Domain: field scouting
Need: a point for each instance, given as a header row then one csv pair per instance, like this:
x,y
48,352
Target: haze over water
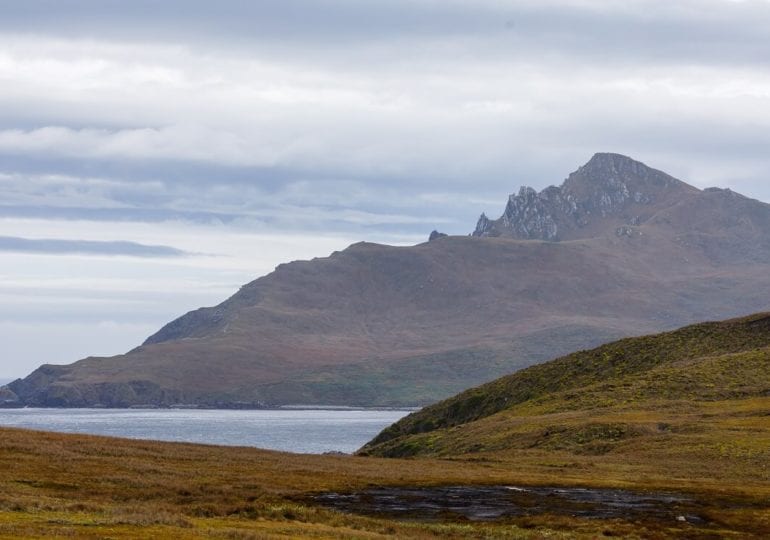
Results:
x,y
301,431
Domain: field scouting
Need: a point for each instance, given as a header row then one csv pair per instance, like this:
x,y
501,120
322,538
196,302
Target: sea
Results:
x,y
299,430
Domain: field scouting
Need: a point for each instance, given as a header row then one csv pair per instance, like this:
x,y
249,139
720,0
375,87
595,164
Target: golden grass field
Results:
x,y
686,411
95,487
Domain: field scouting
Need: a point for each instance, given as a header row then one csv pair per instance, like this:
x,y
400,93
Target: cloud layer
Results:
x,y
261,131
86,247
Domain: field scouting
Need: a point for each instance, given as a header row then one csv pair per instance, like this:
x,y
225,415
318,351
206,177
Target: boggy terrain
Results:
x,y
618,249
96,487
679,422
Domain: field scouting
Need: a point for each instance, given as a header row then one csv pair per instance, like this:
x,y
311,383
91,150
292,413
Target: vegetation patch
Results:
x,y
709,361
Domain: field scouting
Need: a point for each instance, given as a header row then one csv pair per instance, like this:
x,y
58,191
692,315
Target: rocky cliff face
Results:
x,y
609,188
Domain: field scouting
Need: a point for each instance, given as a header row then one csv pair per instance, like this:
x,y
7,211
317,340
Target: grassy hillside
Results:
x,y
652,377
687,412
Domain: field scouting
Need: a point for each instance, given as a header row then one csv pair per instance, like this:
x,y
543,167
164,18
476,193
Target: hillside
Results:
x,y
615,398
632,251
663,436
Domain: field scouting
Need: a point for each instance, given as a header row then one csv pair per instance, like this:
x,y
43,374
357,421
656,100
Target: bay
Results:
x,y
307,431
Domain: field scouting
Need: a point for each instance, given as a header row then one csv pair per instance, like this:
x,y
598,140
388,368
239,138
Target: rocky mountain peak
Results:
x,y
608,185
608,163
620,178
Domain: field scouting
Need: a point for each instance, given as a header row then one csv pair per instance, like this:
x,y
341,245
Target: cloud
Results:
x,y
395,99
86,247
268,131
175,142
654,30
418,121
27,344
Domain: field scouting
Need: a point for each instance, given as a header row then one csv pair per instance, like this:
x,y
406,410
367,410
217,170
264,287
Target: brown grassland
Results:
x,y
686,411
87,486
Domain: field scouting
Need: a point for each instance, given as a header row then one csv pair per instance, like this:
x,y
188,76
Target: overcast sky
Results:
x,y
154,156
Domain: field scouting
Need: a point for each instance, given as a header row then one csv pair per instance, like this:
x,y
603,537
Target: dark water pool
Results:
x,y
491,503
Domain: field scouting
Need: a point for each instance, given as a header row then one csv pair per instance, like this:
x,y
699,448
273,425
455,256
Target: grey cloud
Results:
x,y
374,120
459,67
277,198
285,219
86,247
145,215
703,30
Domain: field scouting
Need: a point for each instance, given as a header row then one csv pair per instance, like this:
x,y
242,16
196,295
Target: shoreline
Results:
x,y
194,407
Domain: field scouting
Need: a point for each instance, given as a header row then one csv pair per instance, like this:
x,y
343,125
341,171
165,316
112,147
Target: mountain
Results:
x,y
609,192
614,193
618,397
618,249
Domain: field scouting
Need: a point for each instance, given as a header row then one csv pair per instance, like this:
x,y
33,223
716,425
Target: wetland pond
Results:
x,y
493,503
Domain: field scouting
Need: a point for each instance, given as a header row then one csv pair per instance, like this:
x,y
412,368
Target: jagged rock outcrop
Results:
x,y
484,226
435,235
609,188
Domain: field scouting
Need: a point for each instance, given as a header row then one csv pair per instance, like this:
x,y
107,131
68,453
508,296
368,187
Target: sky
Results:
x,y
157,155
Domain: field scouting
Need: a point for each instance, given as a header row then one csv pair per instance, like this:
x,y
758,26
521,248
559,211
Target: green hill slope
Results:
x,y
598,398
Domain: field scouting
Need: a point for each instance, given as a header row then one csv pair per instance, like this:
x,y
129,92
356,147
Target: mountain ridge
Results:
x,y
608,185
388,325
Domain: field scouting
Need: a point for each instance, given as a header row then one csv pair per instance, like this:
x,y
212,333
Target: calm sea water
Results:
x,y
303,431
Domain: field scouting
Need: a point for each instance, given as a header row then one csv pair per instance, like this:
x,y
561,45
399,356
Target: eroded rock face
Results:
x,y
608,186
484,226
533,215
435,235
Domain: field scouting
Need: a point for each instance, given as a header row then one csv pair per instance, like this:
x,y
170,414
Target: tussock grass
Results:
x,y
688,409
67,485
685,411
672,371
88,486
708,361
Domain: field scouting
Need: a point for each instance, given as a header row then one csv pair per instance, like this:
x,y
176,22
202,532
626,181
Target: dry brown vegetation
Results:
x,y
88,486
686,411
